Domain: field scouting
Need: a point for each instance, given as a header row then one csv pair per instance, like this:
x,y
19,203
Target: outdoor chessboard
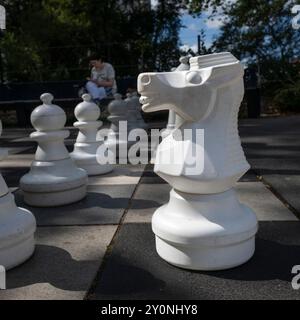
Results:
x,y
103,247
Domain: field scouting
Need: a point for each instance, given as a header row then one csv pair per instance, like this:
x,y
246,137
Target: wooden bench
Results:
x,y
24,97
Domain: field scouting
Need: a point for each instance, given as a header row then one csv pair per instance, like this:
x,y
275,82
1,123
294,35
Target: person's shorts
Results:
x,y
109,91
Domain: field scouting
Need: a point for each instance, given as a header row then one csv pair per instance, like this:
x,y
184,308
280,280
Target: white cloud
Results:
x,y
154,3
215,23
194,48
218,17
193,27
187,47
184,47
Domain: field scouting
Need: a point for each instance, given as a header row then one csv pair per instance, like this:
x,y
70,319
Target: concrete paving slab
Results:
x,y
135,271
17,150
288,186
265,204
104,204
158,194
63,266
17,161
122,174
267,166
273,150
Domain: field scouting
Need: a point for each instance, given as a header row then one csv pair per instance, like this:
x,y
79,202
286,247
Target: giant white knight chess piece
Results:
x,y
54,179
204,226
17,227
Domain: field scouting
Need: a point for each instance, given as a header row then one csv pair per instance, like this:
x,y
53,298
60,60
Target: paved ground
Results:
x,y
103,247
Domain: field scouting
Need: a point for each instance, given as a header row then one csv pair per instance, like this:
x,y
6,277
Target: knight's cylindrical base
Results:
x,y
205,232
17,227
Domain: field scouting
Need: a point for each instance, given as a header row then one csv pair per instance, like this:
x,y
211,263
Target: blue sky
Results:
x,y
193,26
188,35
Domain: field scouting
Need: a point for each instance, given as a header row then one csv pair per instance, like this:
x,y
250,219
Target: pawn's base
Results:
x,y
17,227
95,169
90,164
205,232
54,183
55,199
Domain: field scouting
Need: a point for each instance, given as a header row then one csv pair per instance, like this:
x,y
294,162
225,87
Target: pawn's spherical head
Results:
x,y
48,116
87,97
184,59
117,106
87,110
47,98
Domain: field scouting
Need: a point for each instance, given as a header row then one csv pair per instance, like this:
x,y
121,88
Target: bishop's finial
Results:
x,y
184,60
118,96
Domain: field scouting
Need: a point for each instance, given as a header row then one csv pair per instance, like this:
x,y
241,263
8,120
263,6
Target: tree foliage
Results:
x,y
260,32
53,39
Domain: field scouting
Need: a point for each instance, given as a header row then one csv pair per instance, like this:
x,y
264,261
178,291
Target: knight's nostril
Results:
x,y
145,79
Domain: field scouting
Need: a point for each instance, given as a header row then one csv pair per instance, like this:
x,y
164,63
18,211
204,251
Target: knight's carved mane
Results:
x,y
209,60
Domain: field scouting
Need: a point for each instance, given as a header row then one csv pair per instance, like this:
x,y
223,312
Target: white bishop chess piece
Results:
x,y
85,149
54,179
17,228
204,226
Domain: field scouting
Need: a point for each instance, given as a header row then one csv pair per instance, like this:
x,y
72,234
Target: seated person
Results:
x,y
102,82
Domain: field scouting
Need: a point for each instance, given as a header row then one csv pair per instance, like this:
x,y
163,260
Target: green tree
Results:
x,y
260,32
53,39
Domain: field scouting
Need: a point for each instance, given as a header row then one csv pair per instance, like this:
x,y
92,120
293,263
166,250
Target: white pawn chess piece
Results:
x,y
130,109
204,226
54,179
17,227
134,119
85,149
116,140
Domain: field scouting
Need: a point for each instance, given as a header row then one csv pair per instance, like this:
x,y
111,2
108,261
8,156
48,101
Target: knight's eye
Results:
x,y
194,77
145,79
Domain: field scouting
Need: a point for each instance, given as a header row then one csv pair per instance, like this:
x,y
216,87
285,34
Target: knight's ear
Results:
x,y
224,75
